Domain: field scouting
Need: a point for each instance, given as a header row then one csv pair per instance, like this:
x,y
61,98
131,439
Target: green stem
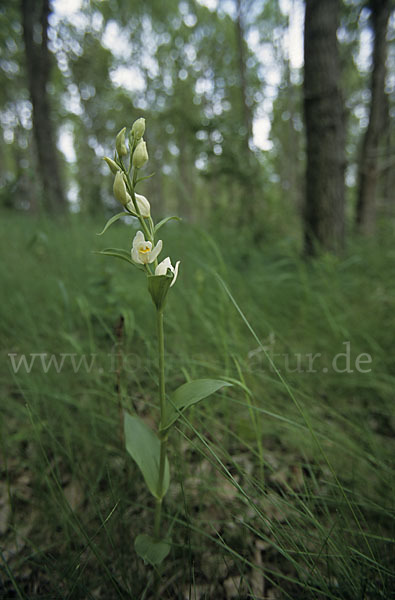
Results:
x,y
162,404
161,350
130,188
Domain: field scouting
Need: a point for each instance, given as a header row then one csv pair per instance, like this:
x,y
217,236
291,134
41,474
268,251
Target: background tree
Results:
x,y
35,15
287,127
324,120
17,186
206,76
369,164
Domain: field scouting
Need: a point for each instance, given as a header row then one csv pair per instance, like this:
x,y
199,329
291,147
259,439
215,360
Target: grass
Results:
x,y
282,486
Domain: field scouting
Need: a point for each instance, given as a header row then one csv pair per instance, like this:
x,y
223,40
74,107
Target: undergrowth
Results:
x,y
287,493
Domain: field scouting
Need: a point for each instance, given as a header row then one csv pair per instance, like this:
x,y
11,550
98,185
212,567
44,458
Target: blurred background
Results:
x,y
220,83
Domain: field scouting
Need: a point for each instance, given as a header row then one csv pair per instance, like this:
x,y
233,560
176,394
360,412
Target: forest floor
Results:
x,y
281,486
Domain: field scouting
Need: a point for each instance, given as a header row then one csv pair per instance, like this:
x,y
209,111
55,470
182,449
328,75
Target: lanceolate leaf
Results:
x,y
118,253
151,550
188,394
143,446
163,221
112,220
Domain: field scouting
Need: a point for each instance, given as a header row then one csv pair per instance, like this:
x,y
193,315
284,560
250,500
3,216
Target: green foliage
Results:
x,y
117,253
163,222
181,68
194,96
188,394
150,550
280,518
143,446
113,220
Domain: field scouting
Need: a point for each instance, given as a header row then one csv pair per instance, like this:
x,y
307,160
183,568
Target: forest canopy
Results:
x,y
222,83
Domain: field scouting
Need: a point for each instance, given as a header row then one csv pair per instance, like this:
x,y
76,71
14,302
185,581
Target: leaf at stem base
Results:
x,y
150,550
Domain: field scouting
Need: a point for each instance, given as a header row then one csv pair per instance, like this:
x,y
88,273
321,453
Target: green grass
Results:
x,y
282,486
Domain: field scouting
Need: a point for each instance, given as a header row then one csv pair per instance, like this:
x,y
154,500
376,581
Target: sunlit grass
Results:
x,y
286,490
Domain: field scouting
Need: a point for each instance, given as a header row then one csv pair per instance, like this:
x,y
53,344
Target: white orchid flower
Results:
x,y
142,203
162,268
142,251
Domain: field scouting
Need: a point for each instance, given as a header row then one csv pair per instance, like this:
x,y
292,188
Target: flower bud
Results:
x,y
112,164
120,144
138,128
119,189
143,206
140,155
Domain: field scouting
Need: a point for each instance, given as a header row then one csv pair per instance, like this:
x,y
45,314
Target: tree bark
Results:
x,y
38,65
368,167
324,120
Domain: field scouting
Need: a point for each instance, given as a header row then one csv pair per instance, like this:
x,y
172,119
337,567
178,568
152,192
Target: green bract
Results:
x,y
158,286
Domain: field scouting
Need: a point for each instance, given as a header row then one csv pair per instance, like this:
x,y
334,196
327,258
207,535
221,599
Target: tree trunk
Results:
x,y
38,64
246,110
368,166
248,180
324,119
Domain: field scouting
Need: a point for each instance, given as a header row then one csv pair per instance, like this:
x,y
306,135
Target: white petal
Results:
x,y
175,271
161,269
136,256
138,239
154,253
145,258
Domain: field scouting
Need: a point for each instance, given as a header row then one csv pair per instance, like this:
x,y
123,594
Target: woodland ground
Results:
x,y
281,486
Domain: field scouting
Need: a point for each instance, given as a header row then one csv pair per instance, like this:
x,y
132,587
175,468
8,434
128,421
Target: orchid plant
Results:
x,y
147,447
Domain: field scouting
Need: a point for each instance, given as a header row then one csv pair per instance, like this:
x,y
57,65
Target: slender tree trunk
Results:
x,y
324,119
293,142
38,64
388,166
368,166
252,195
246,110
